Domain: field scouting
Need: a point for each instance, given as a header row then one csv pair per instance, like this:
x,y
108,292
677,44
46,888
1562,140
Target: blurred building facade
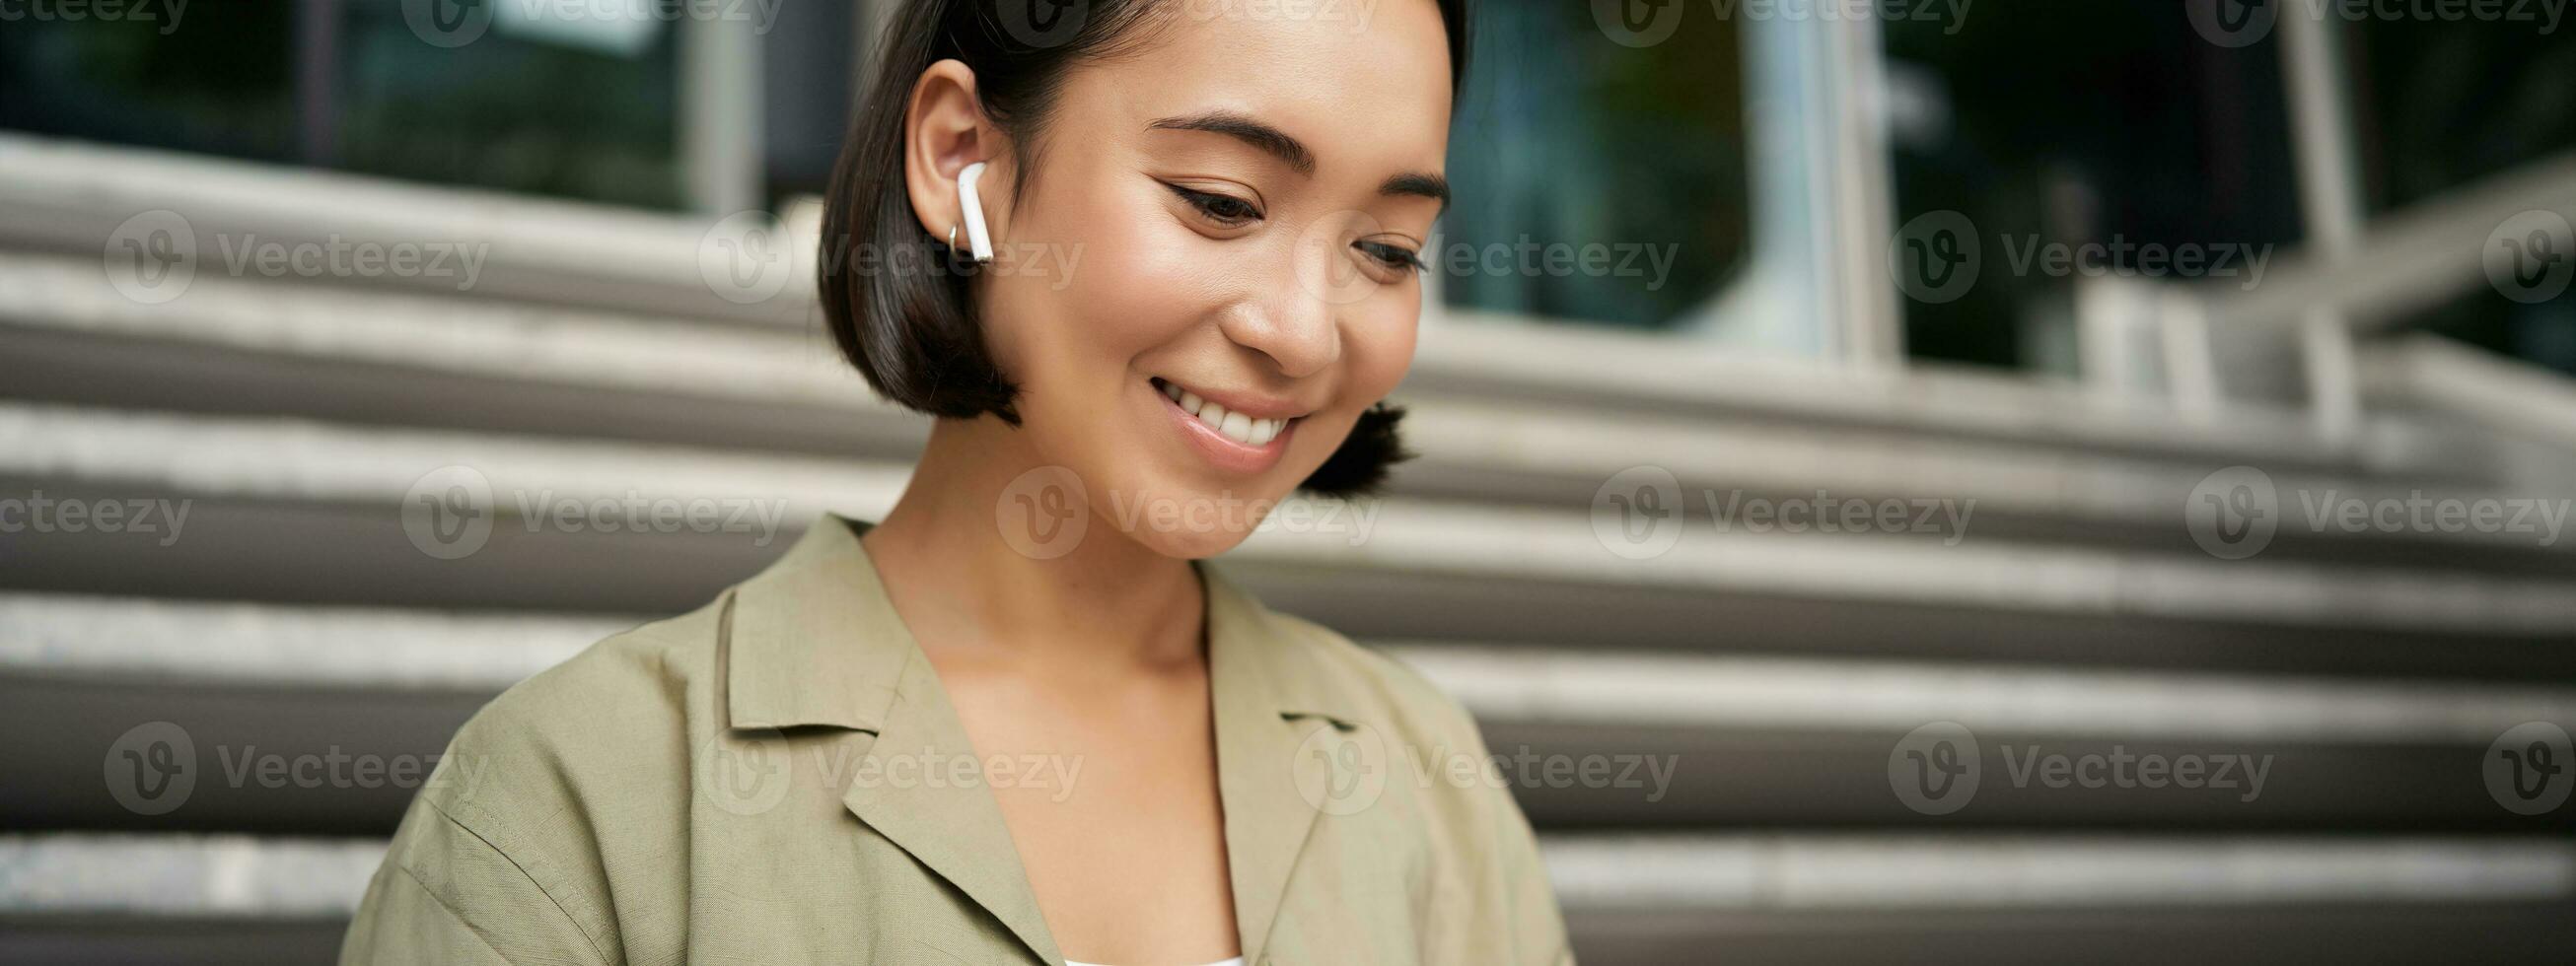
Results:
x,y
1935,440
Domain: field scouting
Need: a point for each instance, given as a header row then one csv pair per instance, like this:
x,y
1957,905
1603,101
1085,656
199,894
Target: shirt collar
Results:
x,y
814,640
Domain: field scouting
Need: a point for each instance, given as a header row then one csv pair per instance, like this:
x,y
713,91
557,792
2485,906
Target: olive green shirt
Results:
x,y
779,778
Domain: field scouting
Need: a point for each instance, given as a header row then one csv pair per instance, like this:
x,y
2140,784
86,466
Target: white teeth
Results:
x,y
1234,426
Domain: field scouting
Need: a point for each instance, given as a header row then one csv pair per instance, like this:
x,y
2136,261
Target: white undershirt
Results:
x,y
1236,961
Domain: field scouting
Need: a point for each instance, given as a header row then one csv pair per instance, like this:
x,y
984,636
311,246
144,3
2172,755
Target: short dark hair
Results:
x,y
912,331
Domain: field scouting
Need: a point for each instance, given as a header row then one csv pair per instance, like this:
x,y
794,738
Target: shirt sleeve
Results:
x,y
445,895
1530,909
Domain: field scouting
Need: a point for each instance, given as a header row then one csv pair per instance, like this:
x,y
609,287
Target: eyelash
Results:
x,y
1233,211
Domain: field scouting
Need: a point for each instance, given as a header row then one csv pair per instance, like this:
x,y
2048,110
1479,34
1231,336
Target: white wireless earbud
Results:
x,y
979,239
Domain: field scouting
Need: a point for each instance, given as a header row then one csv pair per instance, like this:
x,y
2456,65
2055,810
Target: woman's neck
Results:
x,y
958,581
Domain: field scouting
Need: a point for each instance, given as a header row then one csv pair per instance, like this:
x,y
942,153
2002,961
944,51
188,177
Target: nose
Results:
x,y
1293,324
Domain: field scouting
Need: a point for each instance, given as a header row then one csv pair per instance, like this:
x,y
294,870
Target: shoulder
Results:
x,y
617,712
566,776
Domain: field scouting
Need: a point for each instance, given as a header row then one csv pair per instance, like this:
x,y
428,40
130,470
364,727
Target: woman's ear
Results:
x,y
944,130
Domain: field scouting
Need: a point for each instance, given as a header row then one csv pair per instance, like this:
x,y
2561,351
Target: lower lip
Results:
x,y
1225,453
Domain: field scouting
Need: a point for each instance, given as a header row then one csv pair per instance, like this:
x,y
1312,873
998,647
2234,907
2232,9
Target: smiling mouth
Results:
x,y
1234,426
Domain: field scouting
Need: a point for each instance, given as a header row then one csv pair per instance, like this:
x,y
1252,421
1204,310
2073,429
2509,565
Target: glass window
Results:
x,y
1597,182
584,113
224,83
2053,125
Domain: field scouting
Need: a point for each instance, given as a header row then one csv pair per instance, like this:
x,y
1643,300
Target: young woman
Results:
x,y
1172,273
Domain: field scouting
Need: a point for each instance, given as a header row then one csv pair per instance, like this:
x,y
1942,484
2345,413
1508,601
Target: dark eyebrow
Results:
x,y
1293,152
1247,130
1421,183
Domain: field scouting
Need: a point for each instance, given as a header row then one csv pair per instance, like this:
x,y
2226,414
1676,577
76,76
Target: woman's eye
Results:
x,y
1394,257
1227,209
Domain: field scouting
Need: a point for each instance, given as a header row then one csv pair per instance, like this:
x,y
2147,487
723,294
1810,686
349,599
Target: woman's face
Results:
x,y
1234,212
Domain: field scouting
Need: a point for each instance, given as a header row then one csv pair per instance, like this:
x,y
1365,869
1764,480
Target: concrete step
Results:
x,y
1585,737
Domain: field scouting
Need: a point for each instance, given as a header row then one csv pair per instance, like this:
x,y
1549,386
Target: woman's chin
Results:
x,y
1193,526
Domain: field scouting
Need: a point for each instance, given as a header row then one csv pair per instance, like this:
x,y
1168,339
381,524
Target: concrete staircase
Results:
x,y
1775,678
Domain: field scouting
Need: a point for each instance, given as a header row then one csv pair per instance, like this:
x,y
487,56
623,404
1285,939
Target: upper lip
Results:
x,y
1251,405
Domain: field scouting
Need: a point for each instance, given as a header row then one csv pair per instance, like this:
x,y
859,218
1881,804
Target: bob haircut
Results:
x,y
908,322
